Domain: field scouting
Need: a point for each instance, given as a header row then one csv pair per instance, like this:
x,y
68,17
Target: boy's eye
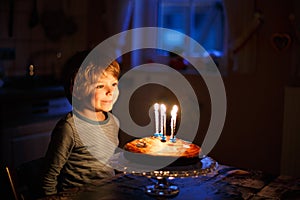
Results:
x,y
115,84
99,86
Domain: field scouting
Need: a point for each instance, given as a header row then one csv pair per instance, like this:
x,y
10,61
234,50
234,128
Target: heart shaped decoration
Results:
x,y
281,41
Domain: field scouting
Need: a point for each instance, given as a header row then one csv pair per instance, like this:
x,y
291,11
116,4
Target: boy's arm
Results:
x,y
59,149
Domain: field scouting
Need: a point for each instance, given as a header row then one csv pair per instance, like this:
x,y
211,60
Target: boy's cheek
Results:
x,y
115,95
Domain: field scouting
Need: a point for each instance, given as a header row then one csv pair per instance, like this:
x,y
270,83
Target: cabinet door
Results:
x,y
290,162
24,143
29,147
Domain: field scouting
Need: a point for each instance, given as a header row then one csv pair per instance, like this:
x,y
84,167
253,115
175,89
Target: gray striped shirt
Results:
x,y
79,151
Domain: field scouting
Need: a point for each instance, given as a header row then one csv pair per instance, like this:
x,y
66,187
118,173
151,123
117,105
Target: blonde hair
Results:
x,y
90,74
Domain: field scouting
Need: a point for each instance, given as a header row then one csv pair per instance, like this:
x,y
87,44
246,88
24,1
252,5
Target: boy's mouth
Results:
x,y
107,101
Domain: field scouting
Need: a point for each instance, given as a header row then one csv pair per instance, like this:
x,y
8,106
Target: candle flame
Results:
x,y
175,108
156,106
174,111
163,107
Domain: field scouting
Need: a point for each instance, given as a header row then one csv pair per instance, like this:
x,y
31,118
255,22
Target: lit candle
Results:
x,y
172,128
163,121
156,114
173,121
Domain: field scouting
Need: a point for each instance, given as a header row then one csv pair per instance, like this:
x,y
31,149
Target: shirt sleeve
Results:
x,y
59,149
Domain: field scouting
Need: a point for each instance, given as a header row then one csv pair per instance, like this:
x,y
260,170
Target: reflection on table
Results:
x,y
224,183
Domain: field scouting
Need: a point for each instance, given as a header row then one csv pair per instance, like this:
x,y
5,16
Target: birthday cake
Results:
x,y
152,150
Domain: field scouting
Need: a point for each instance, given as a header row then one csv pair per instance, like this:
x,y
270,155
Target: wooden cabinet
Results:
x,y
290,163
27,120
25,142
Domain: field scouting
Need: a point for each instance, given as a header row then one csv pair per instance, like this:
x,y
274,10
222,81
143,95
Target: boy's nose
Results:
x,y
110,90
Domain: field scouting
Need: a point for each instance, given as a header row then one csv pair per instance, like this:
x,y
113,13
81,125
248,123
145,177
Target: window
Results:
x,y
202,20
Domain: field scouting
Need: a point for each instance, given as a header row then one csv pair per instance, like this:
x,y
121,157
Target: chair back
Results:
x,y
29,176
8,184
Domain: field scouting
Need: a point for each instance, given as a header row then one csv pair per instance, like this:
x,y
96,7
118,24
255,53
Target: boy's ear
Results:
x,y
77,97
75,94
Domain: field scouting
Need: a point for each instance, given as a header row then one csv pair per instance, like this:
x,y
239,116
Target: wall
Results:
x,y
46,39
252,135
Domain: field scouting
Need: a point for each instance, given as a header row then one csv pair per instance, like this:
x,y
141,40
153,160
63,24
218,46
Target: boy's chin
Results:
x,y
104,109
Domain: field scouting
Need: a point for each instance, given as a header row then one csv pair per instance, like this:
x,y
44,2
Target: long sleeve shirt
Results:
x,y
79,152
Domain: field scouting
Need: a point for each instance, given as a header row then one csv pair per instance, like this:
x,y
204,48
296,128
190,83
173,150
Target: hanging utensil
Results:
x,y
11,18
34,17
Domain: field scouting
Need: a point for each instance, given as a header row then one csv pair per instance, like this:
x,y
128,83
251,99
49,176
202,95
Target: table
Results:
x,y
225,182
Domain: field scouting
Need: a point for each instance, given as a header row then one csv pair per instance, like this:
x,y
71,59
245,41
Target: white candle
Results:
x,y
163,119
172,127
173,120
156,114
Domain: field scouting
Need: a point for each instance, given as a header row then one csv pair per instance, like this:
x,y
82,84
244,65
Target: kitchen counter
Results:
x,y
25,106
8,94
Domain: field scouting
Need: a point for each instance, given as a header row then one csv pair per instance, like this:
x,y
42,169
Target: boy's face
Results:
x,y
102,94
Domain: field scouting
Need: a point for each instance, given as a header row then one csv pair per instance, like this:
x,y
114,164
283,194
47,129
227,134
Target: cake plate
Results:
x,y
163,187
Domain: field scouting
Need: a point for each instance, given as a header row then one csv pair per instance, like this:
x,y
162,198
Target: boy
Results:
x,y
85,139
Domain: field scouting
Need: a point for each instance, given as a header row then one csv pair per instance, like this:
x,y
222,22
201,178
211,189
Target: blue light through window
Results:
x,y
203,20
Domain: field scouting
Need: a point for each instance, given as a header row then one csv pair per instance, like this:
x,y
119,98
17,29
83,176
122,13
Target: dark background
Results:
x,y
261,76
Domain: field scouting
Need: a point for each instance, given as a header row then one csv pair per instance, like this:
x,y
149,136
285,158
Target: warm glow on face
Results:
x,y
103,92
